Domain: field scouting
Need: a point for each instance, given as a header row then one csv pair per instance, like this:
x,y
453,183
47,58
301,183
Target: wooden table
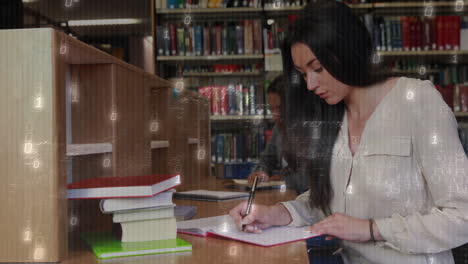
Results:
x,y
211,250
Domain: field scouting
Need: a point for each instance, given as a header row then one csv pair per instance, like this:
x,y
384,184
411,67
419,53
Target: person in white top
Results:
x,y
388,174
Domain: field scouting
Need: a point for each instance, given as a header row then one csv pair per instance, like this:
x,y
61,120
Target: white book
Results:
x,y
206,195
149,230
143,214
224,226
122,204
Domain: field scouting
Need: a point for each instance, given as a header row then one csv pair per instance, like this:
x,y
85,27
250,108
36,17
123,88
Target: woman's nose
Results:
x,y
311,79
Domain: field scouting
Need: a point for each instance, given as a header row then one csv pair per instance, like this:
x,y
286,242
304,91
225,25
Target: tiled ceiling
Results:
x,y
65,10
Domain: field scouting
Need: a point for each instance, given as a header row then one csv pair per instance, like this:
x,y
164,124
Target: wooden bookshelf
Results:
x,y
72,112
461,114
157,144
210,58
88,149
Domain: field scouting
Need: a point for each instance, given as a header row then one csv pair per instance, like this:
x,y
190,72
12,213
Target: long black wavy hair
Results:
x,y
344,48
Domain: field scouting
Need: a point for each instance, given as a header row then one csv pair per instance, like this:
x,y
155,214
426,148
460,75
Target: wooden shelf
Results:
x,y
415,4
157,144
210,58
221,74
461,114
240,118
88,149
423,53
208,10
193,141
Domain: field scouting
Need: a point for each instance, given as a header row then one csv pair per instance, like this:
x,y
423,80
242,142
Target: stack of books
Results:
x,y
142,209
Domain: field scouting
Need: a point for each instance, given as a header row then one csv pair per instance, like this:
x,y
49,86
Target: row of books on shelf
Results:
x,y
143,214
234,99
414,33
233,38
223,68
455,95
237,147
178,4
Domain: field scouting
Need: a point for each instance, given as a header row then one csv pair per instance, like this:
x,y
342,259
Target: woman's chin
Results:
x,y
331,101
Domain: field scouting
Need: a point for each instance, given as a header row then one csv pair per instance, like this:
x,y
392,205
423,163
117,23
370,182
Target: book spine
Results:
x,y
405,28
252,99
382,36
180,41
225,40
216,100
239,39
189,41
173,37
426,34
181,3
160,40
171,4
257,37
206,41
224,100
232,99
167,41
239,103
198,40
246,101
464,98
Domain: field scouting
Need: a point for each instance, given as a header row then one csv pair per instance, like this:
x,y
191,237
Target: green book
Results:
x,y
105,245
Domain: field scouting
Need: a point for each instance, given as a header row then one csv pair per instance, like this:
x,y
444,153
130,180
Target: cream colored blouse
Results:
x,y
409,173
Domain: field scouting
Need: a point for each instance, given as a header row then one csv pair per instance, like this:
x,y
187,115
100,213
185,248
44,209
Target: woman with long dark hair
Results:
x,y
388,174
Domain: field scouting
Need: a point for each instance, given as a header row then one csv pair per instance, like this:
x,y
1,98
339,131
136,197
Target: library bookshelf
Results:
x,y
70,112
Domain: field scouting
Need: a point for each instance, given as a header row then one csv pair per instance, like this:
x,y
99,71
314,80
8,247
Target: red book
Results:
x,y
412,35
218,40
224,100
405,33
464,98
122,187
173,36
257,36
440,33
426,44
433,25
419,34
455,32
447,92
208,93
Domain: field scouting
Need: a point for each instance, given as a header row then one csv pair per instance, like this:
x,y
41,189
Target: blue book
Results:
x,y
198,40
105,245
220,148
171,4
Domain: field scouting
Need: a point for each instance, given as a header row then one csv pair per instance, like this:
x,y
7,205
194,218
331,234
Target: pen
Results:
x,y
251,197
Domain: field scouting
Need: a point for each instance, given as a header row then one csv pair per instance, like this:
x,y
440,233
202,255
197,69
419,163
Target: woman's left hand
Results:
x,y
344,227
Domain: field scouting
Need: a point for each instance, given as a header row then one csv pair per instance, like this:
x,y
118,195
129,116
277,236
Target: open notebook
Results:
x,y
224,226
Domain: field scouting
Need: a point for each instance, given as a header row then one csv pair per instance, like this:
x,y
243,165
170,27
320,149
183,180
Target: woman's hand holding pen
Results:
x,y
260,216
346,228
